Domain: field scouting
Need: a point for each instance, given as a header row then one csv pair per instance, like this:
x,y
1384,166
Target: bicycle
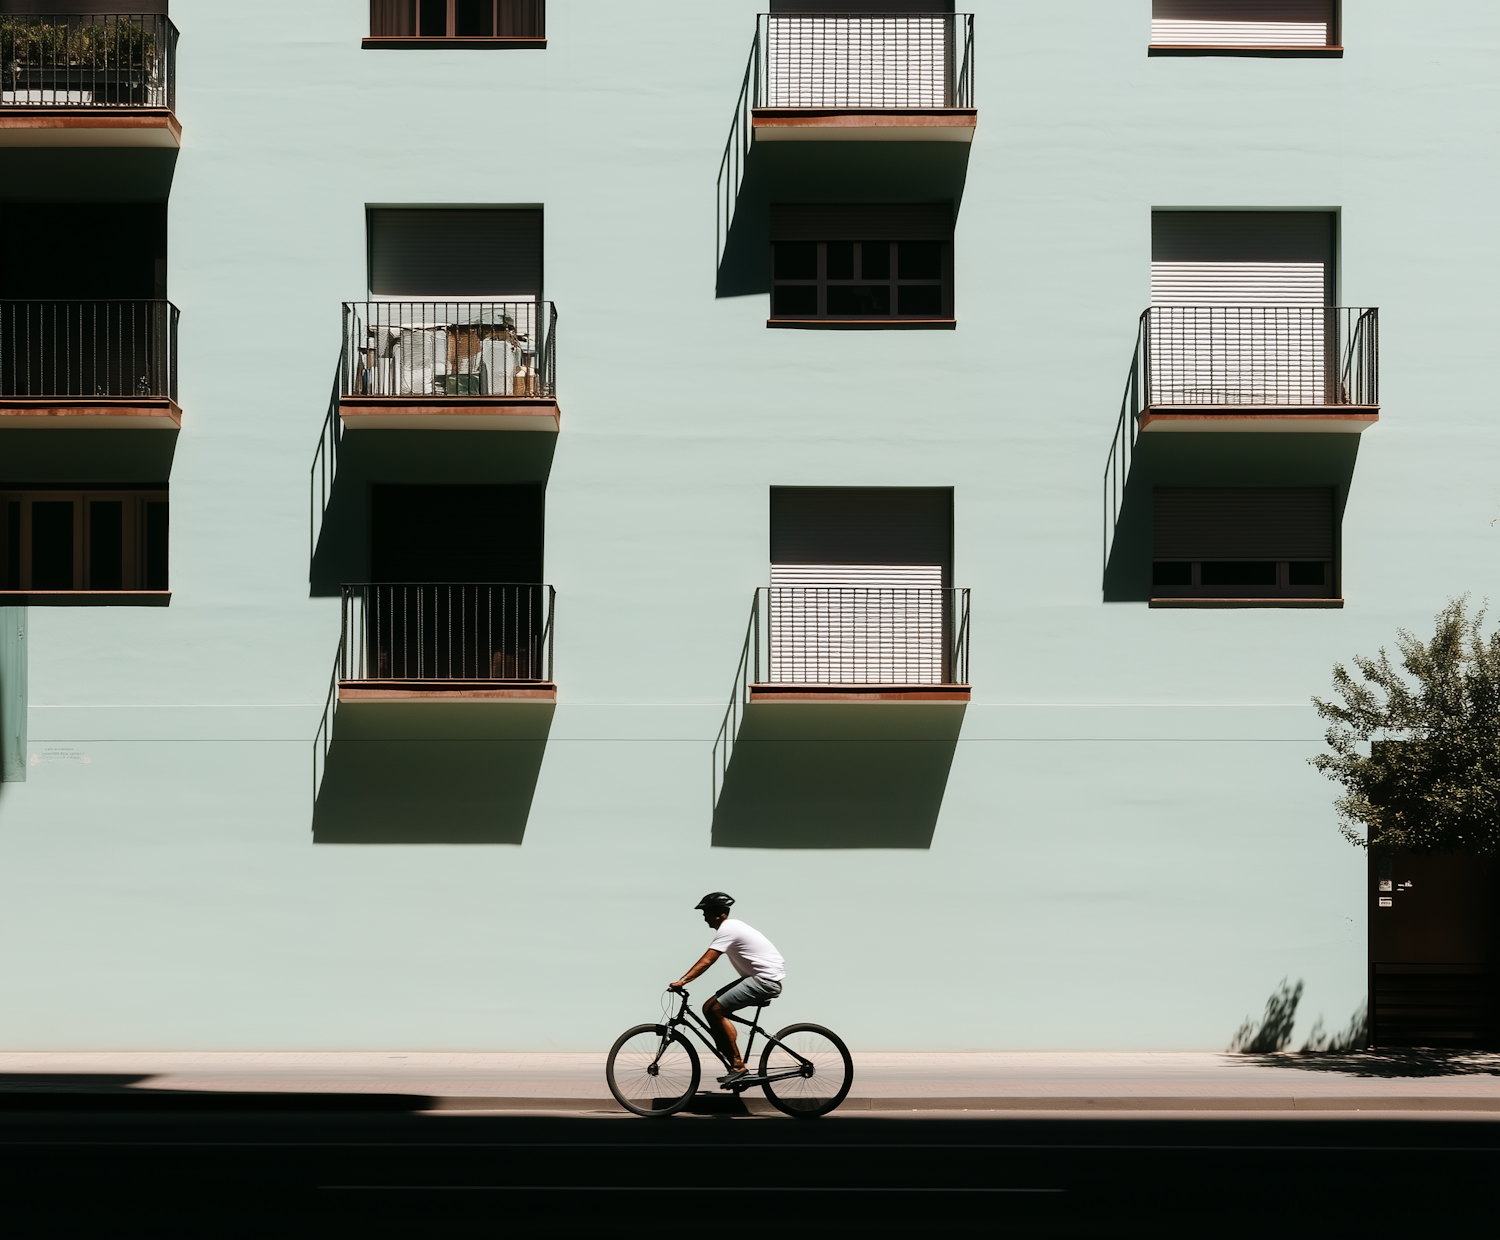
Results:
x,y
653,1070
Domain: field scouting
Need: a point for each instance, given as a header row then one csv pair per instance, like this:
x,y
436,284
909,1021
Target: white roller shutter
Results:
x,y
1241,23
857,624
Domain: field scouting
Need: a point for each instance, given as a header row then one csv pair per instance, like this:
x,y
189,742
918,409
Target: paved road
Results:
x,y
369,1165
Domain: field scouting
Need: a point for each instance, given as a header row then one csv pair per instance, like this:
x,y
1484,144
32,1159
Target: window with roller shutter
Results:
x,y
1250,543
1308,27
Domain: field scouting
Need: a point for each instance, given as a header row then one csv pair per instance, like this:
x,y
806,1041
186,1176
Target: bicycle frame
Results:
x,y
688,1019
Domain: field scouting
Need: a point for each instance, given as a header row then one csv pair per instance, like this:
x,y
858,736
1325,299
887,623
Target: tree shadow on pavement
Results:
x,y
1390,1064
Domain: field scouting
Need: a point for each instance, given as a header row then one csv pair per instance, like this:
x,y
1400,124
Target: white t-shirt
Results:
x,y
749,951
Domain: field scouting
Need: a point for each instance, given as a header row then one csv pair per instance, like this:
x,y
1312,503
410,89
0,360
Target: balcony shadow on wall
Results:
x,y
341,549
431,773
842,172
837,776
1216,459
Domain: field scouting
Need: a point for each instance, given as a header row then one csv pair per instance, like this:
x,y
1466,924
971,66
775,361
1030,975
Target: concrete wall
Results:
x,y
1131,850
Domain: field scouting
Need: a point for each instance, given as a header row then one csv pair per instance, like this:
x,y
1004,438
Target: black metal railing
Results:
x,y
103,60
468,19
449,348
864,60
457,631
88,349
1299,356
861,635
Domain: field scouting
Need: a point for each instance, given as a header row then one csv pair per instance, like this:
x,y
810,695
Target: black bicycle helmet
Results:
x,y
715,899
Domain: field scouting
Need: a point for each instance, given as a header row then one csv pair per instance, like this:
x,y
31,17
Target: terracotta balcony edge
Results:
x,y
117,412
864,124
515,413
22,126
1282,419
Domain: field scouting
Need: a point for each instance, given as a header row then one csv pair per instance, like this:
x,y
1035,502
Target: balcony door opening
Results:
x,y
455,590
83,309
454,303
1242,309
861,586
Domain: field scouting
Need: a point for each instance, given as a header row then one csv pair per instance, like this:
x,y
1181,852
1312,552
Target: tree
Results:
x,y
1431,780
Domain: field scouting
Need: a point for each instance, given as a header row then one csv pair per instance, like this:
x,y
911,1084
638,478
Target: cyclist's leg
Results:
x,y
722,1028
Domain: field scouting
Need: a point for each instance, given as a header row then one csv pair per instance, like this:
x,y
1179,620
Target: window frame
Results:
x,y
451,39
16,572
1283,589
822,282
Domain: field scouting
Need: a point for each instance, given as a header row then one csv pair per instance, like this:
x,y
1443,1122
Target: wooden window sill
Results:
x,y
1201,601
864,325
500,43
1185,49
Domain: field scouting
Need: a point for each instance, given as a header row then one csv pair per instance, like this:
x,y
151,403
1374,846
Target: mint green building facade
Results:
x,y
1116,842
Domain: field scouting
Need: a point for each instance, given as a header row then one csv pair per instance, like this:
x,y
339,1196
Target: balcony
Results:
x,y
853,644
1258,368
846,77
89,364
428,641
88,80
449,365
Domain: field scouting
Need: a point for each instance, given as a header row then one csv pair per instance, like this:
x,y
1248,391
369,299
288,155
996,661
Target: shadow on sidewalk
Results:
x,y
1391,1064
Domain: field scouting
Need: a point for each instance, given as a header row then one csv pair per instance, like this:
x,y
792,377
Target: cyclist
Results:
x,y
759,965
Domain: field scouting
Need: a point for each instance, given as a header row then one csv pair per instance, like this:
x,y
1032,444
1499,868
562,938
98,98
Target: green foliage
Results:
x,y
29,43
1431,779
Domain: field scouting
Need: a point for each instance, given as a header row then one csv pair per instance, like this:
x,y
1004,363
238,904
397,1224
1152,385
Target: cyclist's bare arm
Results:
x,y
708,958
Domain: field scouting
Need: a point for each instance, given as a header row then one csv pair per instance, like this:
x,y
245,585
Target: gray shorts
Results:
x,y
746,992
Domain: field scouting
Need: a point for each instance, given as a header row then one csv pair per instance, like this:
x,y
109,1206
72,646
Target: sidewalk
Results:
x,y
1437,1082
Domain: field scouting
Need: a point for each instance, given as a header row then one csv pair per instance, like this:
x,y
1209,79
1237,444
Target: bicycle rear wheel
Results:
x,y
652,1070
825,1071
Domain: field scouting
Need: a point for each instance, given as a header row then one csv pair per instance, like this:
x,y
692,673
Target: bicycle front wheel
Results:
x,y
815,1068
652,1070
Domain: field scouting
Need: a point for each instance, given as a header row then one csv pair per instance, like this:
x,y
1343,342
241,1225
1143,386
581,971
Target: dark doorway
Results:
x,y
455,583
1433,980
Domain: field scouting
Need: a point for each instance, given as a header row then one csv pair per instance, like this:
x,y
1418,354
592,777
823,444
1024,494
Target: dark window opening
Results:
x,y
52,545
13,545
474,19
432,18
860,279
1237,573
106,545
156,546
456,533
1309,573
1171,574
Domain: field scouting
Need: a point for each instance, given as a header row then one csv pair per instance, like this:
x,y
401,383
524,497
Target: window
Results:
x,y
85,540
1260,543
498,20
861,265
1245,26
